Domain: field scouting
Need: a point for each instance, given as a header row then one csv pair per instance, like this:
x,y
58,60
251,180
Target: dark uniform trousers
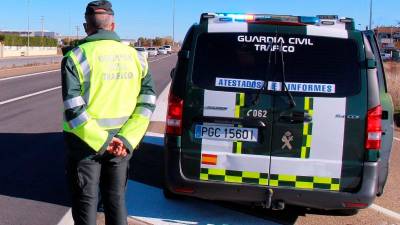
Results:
x,y
86,172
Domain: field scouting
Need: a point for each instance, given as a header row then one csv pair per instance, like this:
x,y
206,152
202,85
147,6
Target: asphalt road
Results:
x,y
32,184
32,181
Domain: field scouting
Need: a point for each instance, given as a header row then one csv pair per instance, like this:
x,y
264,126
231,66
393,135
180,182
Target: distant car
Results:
x,y
162,51
386,56
168,48
143,51
152,51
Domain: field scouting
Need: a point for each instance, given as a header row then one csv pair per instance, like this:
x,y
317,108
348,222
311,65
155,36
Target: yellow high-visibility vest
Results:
x,y
110,75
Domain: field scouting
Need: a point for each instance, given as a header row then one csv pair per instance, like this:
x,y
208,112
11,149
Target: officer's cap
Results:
x,y
99,7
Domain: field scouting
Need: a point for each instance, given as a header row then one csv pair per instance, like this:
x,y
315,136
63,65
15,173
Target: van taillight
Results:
x,y
374,128
355,205
174,115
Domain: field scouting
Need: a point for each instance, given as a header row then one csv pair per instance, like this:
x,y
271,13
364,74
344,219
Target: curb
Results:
x,y
66,219
160,112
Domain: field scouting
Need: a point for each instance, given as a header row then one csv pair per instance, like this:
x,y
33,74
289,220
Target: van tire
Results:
x,y
170,195
397,119
346,212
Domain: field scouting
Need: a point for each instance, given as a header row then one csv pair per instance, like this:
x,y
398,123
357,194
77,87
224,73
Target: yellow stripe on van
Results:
x,y
273,180
307,129
240,101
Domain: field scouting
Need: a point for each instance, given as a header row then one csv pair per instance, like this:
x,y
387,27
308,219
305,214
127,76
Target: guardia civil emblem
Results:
x,y
286,139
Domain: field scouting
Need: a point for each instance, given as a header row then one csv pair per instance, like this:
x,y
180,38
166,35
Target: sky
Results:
x,y
151,18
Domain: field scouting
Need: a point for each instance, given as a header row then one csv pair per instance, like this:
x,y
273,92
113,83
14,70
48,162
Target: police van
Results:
x,y
277,110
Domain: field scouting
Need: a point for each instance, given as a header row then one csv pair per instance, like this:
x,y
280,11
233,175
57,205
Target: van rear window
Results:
x,y
242,62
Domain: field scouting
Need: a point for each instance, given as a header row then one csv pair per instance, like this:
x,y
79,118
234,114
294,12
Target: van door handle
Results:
x,y
295,117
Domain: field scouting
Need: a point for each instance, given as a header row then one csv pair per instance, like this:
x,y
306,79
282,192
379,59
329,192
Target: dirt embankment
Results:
x,y
392,70
4,73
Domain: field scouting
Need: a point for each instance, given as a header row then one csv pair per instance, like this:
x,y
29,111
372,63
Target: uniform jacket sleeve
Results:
x,y
135,128
76,118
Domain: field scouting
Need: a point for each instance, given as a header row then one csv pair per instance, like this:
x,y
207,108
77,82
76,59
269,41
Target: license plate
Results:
x,y
226,133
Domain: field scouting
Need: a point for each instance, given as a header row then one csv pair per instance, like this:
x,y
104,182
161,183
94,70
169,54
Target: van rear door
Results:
x,y
319,143
227,130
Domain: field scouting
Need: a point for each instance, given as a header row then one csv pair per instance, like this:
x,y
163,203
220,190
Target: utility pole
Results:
x,y
42,22
69,28
370,15
173,23
27,50
77,32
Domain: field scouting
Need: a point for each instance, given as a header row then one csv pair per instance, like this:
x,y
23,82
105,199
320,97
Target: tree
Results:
x,y
168,41
158,41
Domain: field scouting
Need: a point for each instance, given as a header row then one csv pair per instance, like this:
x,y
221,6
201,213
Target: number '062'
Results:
x,y
257,113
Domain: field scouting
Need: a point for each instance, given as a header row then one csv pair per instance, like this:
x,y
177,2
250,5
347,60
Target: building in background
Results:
x,y
389,40
24,33
130,42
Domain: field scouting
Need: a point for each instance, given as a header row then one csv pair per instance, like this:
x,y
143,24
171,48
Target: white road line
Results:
x,y
29,95
153,134
28,75
50,71
385,211
47,90
161,58
67,219
397,139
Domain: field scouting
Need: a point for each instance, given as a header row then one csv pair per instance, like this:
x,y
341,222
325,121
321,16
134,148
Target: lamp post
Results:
x,y
77,32
42,23
173,22
27,51
370,15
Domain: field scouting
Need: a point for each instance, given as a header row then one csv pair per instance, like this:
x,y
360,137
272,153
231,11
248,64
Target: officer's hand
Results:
x,y
120,151
113,145
117,148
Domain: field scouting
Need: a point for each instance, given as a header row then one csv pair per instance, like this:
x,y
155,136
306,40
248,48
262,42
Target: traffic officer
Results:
x,y
108,101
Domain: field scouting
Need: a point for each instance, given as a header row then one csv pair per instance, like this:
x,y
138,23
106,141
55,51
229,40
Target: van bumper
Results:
x,y
319,199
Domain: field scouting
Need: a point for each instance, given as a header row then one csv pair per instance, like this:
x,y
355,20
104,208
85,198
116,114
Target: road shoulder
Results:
x,y
5,73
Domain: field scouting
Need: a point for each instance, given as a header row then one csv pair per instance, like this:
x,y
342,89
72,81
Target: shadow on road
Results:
x,y
32,167
146,167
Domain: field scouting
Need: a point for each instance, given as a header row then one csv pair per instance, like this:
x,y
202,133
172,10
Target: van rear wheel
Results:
x,y
346,212
170,195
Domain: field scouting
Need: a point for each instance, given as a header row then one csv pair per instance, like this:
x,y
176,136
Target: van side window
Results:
x,y
381,71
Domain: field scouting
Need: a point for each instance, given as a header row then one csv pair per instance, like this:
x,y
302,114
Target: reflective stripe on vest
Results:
x,y
148,99
83,63
143,112
143,63
74,102
115,122
81,119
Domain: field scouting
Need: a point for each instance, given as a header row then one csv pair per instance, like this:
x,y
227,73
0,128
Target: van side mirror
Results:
x,y
172,74
371,64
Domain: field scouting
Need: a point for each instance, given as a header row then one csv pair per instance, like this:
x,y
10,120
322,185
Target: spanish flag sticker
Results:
x,y
209,159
